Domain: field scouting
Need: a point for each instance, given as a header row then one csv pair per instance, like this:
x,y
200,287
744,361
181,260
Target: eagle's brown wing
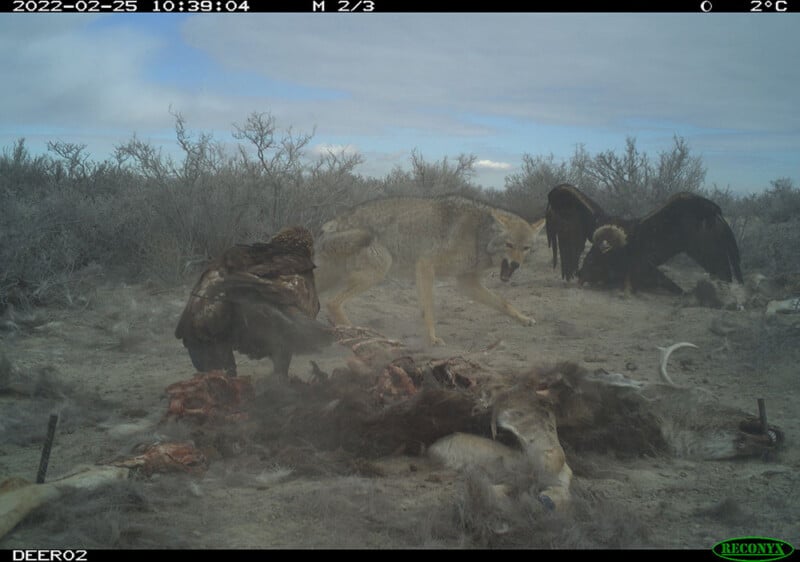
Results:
x,y
295,293
571,220
259,299
207,315
205,326
692,224
265,260
286,264
276,299
289,252
274,314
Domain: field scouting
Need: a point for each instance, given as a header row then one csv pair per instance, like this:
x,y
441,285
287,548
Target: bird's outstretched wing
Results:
x,y
571,219
692,224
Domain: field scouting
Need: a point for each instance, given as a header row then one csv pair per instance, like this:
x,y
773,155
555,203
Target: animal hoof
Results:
x,y
548,503
436,340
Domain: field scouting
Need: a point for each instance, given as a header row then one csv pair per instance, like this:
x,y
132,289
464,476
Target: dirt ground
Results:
x,y
104,364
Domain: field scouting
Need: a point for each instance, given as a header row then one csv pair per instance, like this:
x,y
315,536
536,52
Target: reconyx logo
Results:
x,y
747,549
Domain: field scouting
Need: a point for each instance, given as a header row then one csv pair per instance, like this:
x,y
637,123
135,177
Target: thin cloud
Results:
x,y
325,148
491,165
498,84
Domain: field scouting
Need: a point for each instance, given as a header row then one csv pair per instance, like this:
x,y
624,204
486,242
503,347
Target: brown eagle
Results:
x,y
257,299
627,252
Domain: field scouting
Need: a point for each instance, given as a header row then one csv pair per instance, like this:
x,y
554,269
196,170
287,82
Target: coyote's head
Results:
x,y
512,240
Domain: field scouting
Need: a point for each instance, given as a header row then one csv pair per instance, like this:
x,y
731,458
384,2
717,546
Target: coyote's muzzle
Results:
x,y
507,268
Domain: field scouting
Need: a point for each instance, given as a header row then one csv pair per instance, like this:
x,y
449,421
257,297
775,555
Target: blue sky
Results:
x,y
494,85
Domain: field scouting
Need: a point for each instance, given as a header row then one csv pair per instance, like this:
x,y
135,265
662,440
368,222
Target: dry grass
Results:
x,y
28,398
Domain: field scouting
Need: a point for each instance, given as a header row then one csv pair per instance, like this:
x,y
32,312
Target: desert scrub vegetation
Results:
x,y
767,226
68,220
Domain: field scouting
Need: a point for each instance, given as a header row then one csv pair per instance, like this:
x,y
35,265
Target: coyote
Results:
x,y
447,236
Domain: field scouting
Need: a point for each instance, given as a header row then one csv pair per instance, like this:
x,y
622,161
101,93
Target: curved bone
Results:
x,y
665,353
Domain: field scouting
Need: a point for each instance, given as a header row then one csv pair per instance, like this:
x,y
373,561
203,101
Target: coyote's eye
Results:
x,y
526,248
509,245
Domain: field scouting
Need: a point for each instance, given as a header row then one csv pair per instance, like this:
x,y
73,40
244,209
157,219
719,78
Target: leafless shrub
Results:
x,y
329,185
67,220
627,184
427,179
526,191
767,225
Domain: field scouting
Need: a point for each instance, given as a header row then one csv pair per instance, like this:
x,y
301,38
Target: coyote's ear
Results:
x,y
501,218
537,226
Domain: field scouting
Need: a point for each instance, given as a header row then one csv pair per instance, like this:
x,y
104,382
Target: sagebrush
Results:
x,y
68,220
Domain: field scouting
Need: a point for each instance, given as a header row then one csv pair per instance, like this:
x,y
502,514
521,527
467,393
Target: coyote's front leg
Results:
x,y
425,274
470,285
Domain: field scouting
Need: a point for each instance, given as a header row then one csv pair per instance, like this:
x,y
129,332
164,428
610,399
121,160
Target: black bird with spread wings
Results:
x,y
627,252
260,300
